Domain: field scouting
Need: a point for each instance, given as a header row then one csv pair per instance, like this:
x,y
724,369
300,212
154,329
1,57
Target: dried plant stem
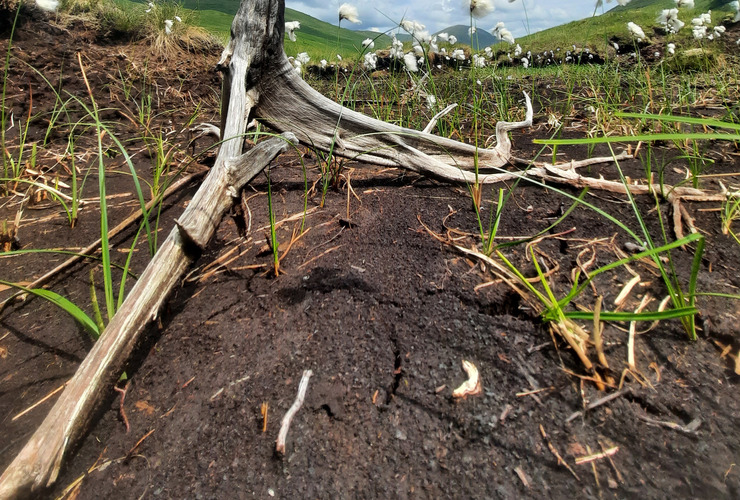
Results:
x,y
597,456
574,335
599,402
39,402
631,340
285,425
555,453
598,329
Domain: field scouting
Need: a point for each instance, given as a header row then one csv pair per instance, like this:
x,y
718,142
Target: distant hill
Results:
x,y
481,37
318,38
599,31
322,40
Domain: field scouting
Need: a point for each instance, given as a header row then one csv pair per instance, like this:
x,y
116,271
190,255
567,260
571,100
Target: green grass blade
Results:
x,y
611,218
560,219
71,308
695,265
60,252
639,138
104,246
95,303
139,192
708,122
522,279
653,253
680,312
94,113
122,289
65,304
273,234
718,294
554,309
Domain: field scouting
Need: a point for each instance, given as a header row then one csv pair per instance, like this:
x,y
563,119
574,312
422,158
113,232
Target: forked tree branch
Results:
x,y
286,102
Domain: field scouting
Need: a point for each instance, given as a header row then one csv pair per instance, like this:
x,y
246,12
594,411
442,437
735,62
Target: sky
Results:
x,y
439,14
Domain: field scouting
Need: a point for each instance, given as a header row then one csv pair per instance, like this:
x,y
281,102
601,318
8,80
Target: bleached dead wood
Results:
x,y
287,103
38,463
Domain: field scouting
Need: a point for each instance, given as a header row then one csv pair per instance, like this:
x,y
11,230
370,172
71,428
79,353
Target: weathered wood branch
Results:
x,y
253,40
286,102
204,213
38,463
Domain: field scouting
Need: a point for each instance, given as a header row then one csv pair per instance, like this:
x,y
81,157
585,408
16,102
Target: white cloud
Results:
x,y
439,14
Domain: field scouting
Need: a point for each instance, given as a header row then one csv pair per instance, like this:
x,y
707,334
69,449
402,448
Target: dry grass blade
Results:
x,y
503,273
631,340
555,453
328,250
576,339
138,443
626,290
597,456
39,402
599,402
290,218
597,331
690,428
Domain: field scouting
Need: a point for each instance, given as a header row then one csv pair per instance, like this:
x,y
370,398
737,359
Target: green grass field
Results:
x,y
598,32
319,39
322,40
316,37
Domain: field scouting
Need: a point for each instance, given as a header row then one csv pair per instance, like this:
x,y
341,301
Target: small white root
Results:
x,y
435,118
472,385
205,129
626,290
285,425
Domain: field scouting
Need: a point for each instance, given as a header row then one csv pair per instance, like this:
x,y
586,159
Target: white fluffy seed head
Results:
x,y
479,8
349,12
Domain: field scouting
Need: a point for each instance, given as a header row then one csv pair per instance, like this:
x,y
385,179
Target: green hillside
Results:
x,y
597,32
322,40
317,38
481,37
